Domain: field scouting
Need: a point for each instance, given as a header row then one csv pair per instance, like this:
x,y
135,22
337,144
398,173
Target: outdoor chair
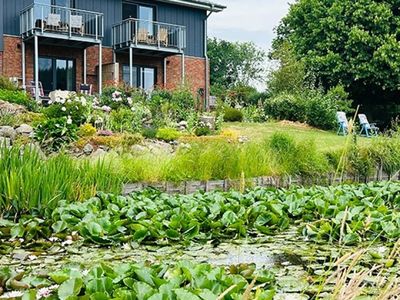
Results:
x,y
163,37
343,123
53,22
143,36
367,129
86,89
32,91
77,25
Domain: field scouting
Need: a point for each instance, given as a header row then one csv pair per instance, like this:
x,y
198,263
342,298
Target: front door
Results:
x,y
57,74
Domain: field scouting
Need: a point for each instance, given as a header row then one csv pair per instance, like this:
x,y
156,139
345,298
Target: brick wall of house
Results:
x,y
12,64
12,57
195,68
1,62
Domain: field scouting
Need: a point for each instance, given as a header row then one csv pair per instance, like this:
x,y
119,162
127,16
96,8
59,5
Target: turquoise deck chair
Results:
x,y
343,123
367,129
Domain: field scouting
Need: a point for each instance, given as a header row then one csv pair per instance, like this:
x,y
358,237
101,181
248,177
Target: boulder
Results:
x,y
8,132
88,149
11,108
24,129
99,153
209,121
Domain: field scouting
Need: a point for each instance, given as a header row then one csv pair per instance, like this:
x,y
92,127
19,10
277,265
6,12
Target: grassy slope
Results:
x,y
324,140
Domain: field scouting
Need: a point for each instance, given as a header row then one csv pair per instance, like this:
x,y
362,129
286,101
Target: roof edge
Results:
x,y
209,6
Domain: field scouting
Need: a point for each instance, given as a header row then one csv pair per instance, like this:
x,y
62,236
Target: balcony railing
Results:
x,y
68,22
148,34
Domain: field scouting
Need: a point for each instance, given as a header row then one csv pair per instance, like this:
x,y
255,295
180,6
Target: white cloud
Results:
x,y
248,20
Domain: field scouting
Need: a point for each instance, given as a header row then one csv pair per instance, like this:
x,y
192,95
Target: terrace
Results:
x,y
149,35
56,22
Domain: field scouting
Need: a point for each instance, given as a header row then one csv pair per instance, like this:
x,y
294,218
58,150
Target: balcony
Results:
x,y
56,22
149,35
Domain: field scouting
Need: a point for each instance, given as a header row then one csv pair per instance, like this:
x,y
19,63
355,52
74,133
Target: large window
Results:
x,y
143,77
57,74
62,3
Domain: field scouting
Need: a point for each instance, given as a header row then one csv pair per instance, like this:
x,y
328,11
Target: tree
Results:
x,y
234,63
355,43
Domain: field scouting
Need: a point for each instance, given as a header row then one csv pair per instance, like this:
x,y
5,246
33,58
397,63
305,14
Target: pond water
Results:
x,y
299,265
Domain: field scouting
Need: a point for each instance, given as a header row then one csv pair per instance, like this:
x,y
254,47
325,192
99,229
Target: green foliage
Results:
x,y
6,84
181,281
75,110
354,43
168,134
234,63
149,132
232,114
86,130
31,183
124,119
312,106
7,119
18,97
54,134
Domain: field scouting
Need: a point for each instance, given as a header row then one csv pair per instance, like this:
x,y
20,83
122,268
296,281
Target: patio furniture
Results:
x,y
77,25
163,37
32,91
343,123
86,89
367,129
143,36
53,22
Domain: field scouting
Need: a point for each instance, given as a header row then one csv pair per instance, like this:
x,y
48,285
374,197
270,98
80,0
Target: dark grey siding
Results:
x,y
11,11
112,10
192,18
1,24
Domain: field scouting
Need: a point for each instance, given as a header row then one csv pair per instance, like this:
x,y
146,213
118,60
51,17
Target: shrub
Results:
x,y
18,97
75,109
128,139
286,107
149,132
232,115
109,141
254,114
86,130
168,134
202,131
53,134
7,119
6,84
31,118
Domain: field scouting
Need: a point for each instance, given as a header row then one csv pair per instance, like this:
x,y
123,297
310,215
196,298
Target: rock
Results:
x,y
138,148
24,129
183,125
99,153
208,121
8,132
243,139
104,147
5,142
88,149
11,108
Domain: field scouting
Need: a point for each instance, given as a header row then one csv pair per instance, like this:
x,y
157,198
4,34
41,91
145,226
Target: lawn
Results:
x,y
324,140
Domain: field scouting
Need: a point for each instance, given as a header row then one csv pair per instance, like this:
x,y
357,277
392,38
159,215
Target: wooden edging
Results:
x,y
190,187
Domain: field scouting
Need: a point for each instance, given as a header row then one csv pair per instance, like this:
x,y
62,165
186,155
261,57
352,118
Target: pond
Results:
x,y
302,268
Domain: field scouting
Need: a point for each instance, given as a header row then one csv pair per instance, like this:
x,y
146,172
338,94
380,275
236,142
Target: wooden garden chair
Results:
x,y
367,129
143,36
163,37
343,123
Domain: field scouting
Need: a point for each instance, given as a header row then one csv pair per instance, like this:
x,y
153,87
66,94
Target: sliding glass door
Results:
x,y
57,74
143,77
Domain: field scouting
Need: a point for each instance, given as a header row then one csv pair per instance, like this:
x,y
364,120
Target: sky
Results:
x,y
248,20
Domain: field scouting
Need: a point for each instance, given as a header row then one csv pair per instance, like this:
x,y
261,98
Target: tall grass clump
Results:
x,y
32,184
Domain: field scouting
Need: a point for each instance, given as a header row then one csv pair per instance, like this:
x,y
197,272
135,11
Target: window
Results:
x,y
57,74
143,77
146,17
62,3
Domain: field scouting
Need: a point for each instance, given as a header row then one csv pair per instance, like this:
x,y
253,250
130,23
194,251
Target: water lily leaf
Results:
x,y
59,276
17,231
172,234
182,294
59,226
207,295
103,285
71,287
143,290
144,275
99,296
30,295
228,218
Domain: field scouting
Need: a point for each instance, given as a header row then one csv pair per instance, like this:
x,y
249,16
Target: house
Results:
x,y
144,43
